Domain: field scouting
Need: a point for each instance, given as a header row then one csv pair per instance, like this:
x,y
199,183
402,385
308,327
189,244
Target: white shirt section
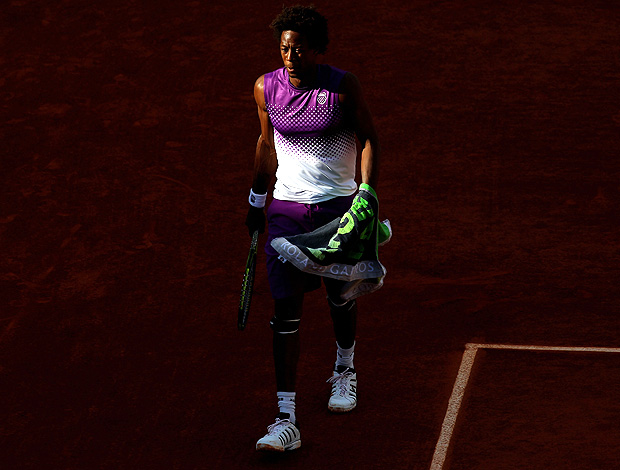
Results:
x,y
315,169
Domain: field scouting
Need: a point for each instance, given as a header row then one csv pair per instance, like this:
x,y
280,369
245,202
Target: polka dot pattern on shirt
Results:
x,y
311,120
328,148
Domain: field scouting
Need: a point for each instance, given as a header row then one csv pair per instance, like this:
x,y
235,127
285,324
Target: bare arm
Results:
x,y
265,160
358,112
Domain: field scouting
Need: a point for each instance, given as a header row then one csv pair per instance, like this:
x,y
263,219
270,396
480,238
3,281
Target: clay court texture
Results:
x,y
128,131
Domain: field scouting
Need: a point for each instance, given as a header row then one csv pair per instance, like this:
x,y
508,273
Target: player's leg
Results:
x,y
344,317
288,285
284,433
343,396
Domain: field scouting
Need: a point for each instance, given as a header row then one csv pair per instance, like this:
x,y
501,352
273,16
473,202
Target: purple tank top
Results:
x,y
314,144
304,111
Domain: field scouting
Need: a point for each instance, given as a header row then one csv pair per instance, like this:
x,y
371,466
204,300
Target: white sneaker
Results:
x,y
281,436
344,391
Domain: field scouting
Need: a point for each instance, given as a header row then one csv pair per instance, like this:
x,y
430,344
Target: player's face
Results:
x,y
299,59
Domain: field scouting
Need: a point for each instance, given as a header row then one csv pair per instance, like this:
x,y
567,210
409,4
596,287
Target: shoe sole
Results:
x,y
340,409
270,448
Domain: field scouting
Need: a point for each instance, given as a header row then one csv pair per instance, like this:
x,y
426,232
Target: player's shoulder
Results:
x,y
259,84
261,81
349,83
259,91
350,89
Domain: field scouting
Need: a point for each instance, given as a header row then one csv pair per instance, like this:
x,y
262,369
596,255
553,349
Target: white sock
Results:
x,y
286,403
344,357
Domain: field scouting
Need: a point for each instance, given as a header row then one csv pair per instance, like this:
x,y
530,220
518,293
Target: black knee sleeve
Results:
x,y
343,308
284,327
287,315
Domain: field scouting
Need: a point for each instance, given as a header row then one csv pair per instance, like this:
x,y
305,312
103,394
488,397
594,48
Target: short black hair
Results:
x,y
303,20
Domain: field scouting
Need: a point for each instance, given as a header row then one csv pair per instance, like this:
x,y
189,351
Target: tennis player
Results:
x,y
310,114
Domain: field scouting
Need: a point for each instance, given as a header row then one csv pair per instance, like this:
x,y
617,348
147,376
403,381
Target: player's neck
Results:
x,y
305,81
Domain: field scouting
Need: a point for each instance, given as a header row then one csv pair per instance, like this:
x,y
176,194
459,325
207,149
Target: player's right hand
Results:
x,y
255,220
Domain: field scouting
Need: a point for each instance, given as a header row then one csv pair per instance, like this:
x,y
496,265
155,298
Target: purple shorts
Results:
x,y
287,218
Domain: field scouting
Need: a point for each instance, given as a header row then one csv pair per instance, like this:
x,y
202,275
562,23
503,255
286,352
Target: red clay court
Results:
x,y
128,132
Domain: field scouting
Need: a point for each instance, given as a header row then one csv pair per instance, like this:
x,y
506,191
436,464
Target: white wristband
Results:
x,y
257,200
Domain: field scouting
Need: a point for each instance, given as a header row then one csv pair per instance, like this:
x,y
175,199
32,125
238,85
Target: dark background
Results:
x,y
128,130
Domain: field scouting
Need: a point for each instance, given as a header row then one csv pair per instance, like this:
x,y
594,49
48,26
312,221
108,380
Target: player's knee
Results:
x,y
284,327
338,308
287,315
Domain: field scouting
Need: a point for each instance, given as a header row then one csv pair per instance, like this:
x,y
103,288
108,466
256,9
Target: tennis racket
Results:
x,y
248,284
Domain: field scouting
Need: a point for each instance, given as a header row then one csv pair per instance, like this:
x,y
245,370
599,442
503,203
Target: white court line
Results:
x,y
543,348
462,378
441,449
